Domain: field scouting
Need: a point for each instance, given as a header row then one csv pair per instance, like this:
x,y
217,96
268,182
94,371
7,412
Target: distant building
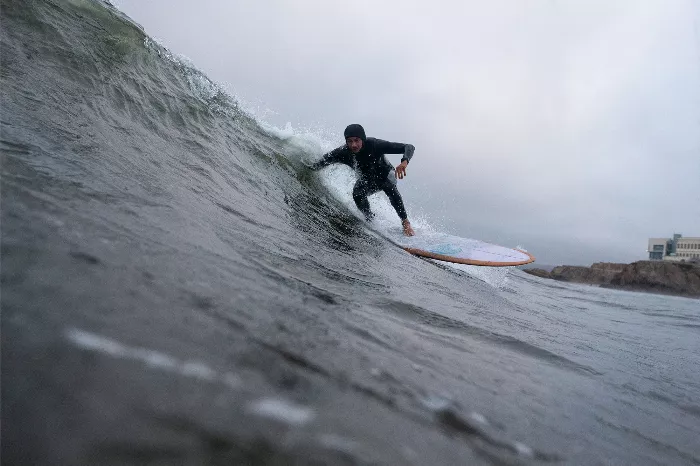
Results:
x,y
677,249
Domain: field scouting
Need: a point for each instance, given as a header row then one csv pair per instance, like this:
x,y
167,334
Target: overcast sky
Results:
x,y
570,127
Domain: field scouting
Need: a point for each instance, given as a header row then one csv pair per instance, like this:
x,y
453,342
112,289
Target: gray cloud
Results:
x,y
572,128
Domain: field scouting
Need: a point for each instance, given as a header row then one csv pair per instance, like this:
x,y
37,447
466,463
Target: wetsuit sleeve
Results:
x,y
334,156
386,147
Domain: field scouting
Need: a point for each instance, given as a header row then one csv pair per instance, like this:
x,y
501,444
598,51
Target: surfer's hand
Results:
x,y
407,230
401,170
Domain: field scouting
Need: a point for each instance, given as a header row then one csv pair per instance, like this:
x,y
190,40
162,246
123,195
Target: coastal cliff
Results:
x,y
675,278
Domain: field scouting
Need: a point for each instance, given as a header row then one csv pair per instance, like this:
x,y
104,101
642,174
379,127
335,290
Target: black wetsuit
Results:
x,y
374,170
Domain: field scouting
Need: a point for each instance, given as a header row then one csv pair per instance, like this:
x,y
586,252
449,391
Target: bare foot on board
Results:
x,y
407,230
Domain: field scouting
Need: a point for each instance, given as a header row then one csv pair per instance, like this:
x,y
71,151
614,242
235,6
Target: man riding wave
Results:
x,y
367,157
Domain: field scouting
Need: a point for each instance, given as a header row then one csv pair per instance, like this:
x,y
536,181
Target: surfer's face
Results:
x,y
354,144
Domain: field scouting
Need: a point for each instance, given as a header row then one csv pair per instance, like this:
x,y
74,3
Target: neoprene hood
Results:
x,y
355,131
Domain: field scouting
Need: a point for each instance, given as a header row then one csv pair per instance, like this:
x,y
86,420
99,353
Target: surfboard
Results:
x,y
450,248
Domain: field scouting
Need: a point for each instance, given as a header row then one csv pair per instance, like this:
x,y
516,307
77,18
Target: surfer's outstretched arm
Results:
x,y
387,147
337,155
397,148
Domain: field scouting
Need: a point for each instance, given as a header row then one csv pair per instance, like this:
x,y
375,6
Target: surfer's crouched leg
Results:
x,y
394,196
360,192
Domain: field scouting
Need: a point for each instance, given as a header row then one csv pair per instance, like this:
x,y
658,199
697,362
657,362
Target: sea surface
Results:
x,y
179,288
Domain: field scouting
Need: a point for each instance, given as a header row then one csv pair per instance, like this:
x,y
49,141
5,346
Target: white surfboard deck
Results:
x,y
450,248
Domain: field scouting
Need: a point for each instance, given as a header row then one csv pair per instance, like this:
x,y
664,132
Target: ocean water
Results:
x,y
179,288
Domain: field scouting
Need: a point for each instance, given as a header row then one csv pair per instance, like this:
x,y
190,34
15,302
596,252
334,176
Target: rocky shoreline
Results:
x,y
676,278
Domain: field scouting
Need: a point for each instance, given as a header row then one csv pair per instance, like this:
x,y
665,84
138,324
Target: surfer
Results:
x,y
367,157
